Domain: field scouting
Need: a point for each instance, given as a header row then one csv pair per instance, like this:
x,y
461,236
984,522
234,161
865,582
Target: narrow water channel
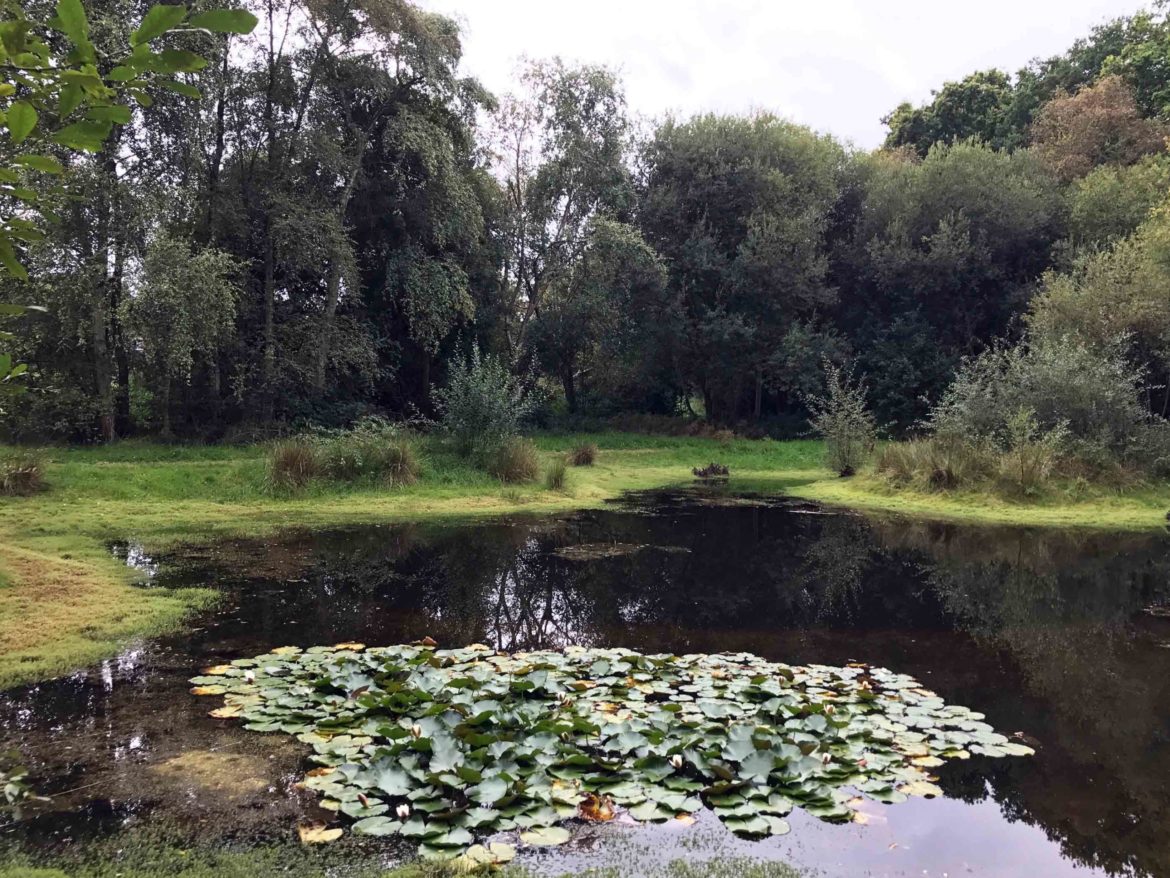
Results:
x,y
1061,637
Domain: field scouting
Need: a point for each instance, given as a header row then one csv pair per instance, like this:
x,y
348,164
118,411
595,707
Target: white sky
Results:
x,y
835,65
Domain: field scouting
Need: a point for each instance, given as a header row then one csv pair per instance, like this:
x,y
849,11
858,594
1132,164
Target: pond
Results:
x,y
1061,639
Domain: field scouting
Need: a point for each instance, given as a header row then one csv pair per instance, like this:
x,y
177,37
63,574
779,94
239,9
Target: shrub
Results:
x,y
373,451
843,420
1060,381
482,405
368,455
1032,454
22,473
293,464
584,455
556,475
514,460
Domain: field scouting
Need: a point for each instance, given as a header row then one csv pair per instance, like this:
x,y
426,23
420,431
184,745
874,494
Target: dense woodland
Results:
x,y
346,213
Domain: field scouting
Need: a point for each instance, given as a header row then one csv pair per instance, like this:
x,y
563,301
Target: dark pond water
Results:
x,y
1059,636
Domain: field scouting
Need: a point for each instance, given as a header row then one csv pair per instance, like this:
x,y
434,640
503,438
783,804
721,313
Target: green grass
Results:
x,y
150,852
65,602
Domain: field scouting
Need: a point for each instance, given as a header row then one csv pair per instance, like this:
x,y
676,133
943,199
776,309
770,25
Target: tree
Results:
x,y
560,148
975,107
1099,125
739,207
1111,201
940,257
183,310
584,327
63,102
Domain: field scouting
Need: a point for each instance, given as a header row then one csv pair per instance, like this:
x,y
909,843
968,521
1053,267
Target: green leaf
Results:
x,y
22,119
73,23
9,261
180,88
548,836
160,19
112,113
225,21
177,61
70,99
44,163
88,135
378,826
121,73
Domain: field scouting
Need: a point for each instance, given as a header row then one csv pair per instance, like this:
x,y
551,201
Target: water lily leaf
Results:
x,y
548,836
317,833
208,690
920,788
377,825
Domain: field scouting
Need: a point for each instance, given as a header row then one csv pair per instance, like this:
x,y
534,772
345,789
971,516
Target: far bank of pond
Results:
x,y
65,602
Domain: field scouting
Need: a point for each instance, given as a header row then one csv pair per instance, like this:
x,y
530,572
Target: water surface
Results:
x,y
1060,637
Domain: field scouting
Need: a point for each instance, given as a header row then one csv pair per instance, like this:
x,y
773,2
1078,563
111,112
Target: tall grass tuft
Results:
x,y
556,475
584,455
22,473
293,464
514,460
935,464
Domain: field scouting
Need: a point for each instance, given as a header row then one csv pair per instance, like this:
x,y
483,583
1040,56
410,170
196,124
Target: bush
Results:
x,y
843,420
22,473
584,455
514,460
482,405
1091,396
293,464
1031,456
373,451
556,475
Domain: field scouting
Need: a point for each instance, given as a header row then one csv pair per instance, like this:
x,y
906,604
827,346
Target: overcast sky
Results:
x,y
835,65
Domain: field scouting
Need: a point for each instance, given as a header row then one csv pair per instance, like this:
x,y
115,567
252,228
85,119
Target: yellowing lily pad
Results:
x,y
317,833
548,836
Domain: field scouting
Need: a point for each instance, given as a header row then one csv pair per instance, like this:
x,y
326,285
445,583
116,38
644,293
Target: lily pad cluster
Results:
x,y
442,745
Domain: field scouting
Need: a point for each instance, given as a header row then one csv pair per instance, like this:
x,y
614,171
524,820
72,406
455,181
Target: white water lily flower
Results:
x,y
416,731
676,760
403,811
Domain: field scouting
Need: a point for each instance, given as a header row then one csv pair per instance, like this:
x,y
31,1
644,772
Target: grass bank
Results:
x,y
66,602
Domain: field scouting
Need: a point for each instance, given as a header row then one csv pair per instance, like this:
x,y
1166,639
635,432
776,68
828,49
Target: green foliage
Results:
x,y
514,460
739,208
1060,382
1031,453
1112,201
842,418
556,475
372,452
22,472
438,745
978,107
483,404
69,99
942,255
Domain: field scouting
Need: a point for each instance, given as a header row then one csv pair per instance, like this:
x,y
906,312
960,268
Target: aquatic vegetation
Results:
x,y
439,745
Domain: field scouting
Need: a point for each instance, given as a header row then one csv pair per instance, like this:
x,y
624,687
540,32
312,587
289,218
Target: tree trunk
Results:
x,y
268,362
756,409
570,385
325,343
122,419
